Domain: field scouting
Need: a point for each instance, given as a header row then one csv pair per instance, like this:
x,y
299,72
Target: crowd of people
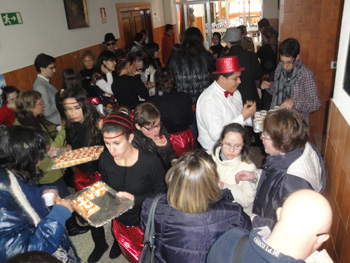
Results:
x,y
182,130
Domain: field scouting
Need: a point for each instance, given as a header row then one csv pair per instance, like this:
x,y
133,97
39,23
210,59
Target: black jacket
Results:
x,y
252,72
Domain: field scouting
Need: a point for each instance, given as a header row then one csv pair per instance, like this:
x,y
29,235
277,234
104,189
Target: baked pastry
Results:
x,y
83,203
101,191
87,209
98,189
77,156
89,194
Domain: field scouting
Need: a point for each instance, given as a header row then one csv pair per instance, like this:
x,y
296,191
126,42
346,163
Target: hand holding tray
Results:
x,y
109,205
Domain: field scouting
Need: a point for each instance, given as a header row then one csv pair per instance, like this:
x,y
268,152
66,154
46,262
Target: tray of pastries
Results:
x,y
98,204
77,156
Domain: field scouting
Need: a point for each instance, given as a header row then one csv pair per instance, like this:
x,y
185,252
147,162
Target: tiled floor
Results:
x,y
85,245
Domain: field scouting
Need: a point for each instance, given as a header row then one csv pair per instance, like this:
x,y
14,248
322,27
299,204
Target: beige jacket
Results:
x,y
244,192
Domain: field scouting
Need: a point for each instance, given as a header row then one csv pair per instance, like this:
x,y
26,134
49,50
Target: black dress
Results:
x,y
175,110
217,49
252,72
129,91
142,179
86,77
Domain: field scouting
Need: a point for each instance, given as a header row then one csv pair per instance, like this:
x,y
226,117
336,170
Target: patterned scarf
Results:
x,y
285,84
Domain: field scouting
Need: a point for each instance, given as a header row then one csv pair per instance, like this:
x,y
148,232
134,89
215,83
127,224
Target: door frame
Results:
x,y
130,7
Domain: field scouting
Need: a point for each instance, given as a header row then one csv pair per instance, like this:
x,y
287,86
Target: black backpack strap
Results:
x,y
150,229
237,254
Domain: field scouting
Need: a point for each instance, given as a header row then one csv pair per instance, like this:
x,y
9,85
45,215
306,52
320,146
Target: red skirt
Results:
x,y
130,240
82,179
182,141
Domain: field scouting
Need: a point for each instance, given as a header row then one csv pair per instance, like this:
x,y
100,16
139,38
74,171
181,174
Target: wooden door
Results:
x,y
132,19
128,29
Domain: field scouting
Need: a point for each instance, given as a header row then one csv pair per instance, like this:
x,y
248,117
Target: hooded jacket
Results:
x,y
27,225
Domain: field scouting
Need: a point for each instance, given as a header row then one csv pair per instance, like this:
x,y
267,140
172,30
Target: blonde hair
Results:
x,y
193,182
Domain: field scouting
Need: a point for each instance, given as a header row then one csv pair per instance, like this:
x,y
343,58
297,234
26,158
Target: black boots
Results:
x,y
101,246
115,250
73,228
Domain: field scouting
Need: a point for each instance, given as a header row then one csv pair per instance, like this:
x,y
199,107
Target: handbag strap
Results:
x,y
149,232
237,254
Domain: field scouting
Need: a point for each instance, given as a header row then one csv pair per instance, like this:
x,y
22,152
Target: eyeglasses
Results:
x,y
110,43
53,67
228,146
152,128
263,136
287,63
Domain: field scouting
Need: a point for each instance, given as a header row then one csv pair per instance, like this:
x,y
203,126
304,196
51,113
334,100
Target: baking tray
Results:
x,y
54,165
110,205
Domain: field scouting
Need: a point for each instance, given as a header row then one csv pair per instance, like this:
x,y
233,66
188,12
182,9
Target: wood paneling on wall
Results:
x,y
337,156
24,78
316,25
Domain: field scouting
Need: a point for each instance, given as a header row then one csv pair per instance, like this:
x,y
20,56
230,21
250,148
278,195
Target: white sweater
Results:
x,y
244,192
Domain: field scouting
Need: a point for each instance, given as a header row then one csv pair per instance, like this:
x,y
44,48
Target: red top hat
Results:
x,y
227,65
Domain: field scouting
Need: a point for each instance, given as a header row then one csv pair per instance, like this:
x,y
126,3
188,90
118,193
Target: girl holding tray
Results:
x,y
135,174
82,130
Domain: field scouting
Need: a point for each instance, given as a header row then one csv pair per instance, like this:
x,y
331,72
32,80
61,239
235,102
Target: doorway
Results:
x,y
216,16
132,18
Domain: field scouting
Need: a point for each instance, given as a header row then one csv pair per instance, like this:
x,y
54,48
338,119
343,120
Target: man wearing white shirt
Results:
x,y
221,103
45,66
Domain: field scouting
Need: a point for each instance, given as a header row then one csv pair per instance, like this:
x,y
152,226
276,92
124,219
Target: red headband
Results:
x,y
129,127
119,117
123,124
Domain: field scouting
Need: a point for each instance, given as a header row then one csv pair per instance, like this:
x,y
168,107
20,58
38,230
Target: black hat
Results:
x,y
109,37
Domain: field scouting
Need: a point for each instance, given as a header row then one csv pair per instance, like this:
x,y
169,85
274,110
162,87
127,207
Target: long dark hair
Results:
x,y
90,114
235,127
21,149
164,79
104,56
192,43
122,60
71,78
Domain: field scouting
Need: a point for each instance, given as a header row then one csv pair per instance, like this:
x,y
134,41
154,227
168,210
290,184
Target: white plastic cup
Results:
x,y
100,108
48,197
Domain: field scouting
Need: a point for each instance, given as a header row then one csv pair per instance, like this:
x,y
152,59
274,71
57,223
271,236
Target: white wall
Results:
x,y
270,9
44,29
340,97
169,12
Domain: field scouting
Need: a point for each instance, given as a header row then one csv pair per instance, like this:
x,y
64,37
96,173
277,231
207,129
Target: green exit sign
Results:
x,y
10,19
